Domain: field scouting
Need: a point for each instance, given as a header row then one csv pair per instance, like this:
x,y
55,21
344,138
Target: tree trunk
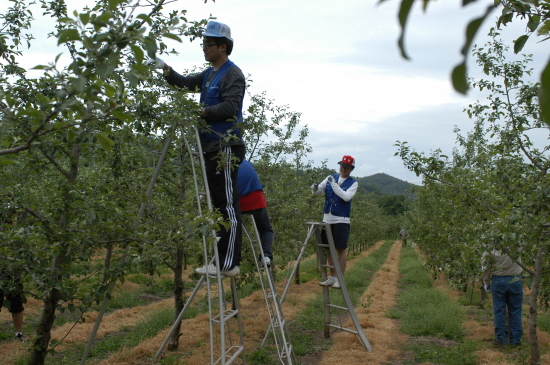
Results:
x,y
43,332
173,342
178,298
533,308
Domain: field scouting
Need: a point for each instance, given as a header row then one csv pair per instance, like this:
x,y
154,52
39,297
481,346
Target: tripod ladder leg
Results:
x,y
321,248
277,322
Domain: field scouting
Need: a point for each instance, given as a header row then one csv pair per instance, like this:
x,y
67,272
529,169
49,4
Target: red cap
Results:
x,y
347,161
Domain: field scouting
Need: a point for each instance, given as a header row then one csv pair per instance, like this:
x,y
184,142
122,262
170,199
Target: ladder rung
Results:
x,y
343,328
276,323
327,265
337,307
228,357
322,245
227,314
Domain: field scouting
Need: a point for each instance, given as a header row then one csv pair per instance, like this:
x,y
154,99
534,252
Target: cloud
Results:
x,y
373,144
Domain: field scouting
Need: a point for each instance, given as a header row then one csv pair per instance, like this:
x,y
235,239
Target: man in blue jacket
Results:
x,y
222,88
339,190
253,202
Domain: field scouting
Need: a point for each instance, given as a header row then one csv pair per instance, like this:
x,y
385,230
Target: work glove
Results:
x,y
155,62
330,179
314,187
487,288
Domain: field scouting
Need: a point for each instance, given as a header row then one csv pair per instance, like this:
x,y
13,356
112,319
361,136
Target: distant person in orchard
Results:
x,y
11,291
339,190
253,202
502,277
403,235
222,88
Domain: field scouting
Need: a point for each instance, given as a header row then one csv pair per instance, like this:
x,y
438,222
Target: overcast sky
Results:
x,y
338,64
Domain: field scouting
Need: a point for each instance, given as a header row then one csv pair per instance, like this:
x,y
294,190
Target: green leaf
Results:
x,y
114,3
65,20
534,21
472,28
132,78
519,43
459,74
105,142
31,113
43,99
138,53
544,93
71,135
84,18
145,18
151,47
6,160
459,78
122,116
41,67
80,83
403,15
172,36
68,35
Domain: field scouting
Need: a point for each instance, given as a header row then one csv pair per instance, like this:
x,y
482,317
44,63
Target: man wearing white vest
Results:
x,y
339,190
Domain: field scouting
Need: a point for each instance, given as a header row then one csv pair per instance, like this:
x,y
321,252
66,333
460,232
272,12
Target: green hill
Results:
x,y
384,184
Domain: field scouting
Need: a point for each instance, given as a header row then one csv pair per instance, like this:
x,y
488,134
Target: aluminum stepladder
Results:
x,y
227,353
316,228
277,323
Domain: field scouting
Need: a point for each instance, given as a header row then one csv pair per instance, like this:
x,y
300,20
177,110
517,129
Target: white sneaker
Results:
x,y
336,284
212,271
210,268
267,261
233,272
329,282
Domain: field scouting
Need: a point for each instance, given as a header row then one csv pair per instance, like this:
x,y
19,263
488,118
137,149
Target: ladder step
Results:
x,y
337,306
229,358
327,265
276,323
227,314
322,245
343,328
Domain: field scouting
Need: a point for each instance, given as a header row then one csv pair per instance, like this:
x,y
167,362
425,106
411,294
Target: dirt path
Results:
x,y
195,330
382,332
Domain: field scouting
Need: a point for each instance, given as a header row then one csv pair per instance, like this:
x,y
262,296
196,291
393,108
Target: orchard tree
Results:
x,y
493,193
534,13
57,136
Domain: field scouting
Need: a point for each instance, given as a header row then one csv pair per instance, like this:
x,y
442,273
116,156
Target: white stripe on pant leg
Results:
x,y
230,210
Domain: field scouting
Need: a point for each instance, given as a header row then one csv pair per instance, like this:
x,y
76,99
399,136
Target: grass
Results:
x,y
543,320
126,337
432,318
438,353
